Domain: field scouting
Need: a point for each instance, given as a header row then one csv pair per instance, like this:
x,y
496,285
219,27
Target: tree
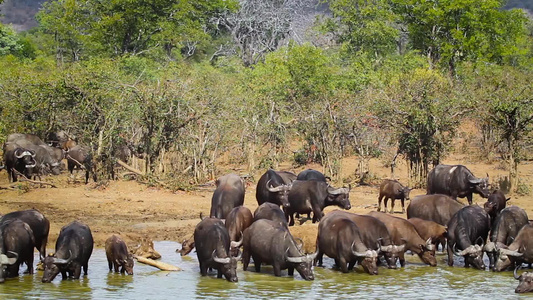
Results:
x,y
508,93
259,26
9,41
451,31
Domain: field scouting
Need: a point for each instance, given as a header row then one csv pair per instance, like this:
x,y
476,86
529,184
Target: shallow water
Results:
x,y
415,281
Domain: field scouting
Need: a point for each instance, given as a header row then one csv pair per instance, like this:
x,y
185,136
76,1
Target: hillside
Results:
x,y
20,13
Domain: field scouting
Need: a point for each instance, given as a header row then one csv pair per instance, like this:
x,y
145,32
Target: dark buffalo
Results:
x,y
18,159
186,247
401,231
340,239
270,211
525,281
38,223
287,176
374,235
467,231
237,221
456,181
273,188
15,137
437,208
268,242
228,195
80,158
311,174
495,203
518,252
74,247
17,238
118,256
45,162
212,243
392,189
312,196
504,230
430,230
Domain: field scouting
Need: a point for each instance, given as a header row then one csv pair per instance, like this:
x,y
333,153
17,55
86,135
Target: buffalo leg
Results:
x,y
64,275
277,269
351,265
77,272
85,267
290,271
469,198
379,202
29,263
392,200
203,269
116,265
450,255
317,213
219,273
343,265
110,264
245,259
257,264
385,201
401,257
319,257
403,205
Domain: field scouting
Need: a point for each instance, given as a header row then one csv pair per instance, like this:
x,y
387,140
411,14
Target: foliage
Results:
x,y
9,41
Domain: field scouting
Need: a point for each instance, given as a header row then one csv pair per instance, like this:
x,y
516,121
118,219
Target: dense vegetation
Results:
x,y
185,83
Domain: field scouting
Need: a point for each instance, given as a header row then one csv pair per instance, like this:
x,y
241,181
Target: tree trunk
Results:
x,y
160,265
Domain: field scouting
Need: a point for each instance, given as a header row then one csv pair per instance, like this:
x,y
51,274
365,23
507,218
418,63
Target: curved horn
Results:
x,y
273,189
510,252
5,260
475,180
355,253
313,256
220,260
295,260
333,191
482,240
401,248
514,272
21,151
463,252
489,247
62,261
302,243
235,244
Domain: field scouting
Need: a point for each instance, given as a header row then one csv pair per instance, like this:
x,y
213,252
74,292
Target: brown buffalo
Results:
x,y
392,189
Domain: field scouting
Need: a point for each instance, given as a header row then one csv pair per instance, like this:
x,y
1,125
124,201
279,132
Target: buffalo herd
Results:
x,y
232,233
434,220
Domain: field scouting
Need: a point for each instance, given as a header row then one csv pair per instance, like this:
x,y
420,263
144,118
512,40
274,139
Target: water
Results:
x,y
416,281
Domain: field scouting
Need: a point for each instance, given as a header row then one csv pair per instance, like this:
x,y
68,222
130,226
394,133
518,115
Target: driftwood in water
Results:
x,y
146,249
160,265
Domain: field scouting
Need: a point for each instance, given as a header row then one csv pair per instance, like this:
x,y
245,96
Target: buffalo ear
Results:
x,y
507,199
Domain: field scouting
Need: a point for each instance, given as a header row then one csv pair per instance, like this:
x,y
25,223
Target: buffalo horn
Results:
x,y
489,247
4,260
514,272
428,243
23,153
273,189
510,252
460,253
358,254
313,256
295,260
475,180
220,260
235,244
333,191
62,261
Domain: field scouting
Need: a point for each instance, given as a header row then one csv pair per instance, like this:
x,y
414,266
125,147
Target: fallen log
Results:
x,y
24,178
160,265
129,168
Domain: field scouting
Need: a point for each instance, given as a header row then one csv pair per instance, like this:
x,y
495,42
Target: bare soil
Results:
x,y
135,211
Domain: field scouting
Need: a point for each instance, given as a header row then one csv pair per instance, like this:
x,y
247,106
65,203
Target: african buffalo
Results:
x,y
430,230
74,247
270,211
18,159
437,208
456,181
17,238
392,189
273,188
237,221
311,174
374,235
118,256
45,163
268,242
340,239
518,252
38,223
186,247
79,157
32,138
504,230
212,243
467,231
401,231
495,203
228,194
312,196
525,281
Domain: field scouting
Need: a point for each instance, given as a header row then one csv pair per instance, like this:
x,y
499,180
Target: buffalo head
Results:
x,y
427,253
228,266
281,191
391,253
367,259
304,265
340,196
4,262
480,185
473,254
525,281
52,266
505,258
26,156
